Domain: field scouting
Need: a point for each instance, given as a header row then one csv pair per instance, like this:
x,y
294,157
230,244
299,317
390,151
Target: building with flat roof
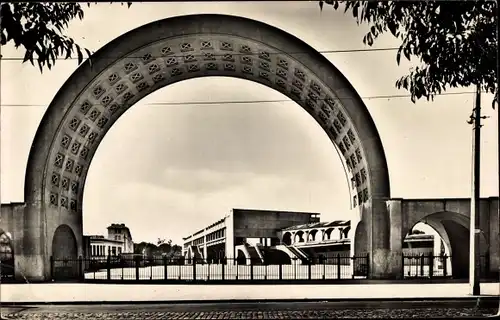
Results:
x,y
233,234
271,236
118,241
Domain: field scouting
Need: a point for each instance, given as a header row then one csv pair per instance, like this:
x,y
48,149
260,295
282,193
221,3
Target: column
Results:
x,y
395,262
382,221
205,251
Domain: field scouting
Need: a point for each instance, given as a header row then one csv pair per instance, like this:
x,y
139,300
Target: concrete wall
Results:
x,y
10,217
265,224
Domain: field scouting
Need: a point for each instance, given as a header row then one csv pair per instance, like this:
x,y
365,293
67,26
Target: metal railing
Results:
x,y
431,266
6,266
162,269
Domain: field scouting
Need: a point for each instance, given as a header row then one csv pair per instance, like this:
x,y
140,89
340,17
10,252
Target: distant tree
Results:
x,y
162,248
455,41
39,28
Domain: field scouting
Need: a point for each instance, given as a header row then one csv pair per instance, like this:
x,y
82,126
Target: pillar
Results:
x,y
376,223
205,251
396,238
32,262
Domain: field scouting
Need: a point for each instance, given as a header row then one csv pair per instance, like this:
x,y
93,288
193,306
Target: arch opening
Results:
x,y
287,238
64,254
444,234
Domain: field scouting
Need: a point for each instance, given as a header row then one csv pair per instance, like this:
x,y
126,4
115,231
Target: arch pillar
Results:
x,y
31,246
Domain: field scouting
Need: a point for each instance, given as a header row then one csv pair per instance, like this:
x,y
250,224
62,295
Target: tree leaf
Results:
x,y
80,55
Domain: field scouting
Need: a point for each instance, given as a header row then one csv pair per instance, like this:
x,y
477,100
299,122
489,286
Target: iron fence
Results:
x,y
162,269
6,266
430,266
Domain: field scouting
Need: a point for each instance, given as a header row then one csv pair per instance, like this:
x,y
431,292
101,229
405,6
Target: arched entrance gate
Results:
x,y
164,52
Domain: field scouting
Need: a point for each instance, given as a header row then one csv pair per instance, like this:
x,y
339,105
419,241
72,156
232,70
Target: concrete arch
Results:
x,y
287,238
313,234
171,50
328,234
299,237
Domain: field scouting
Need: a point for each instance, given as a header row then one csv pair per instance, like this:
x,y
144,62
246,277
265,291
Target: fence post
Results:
x,y
180,270
309,268
81,275
52,268
108,267
223,260
324,266
165,267
265,270
403,265
251,269
208,269
137,263
422,264
194,269
338,266
280,271
235,262
445,265
353,259
367,265
431,265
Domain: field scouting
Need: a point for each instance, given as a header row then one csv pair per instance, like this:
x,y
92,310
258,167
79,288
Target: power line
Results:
x,y
221,54
205,102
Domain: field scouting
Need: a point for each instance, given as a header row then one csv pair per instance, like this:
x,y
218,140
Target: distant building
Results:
x,y
120,232
118,241
266,236
231,237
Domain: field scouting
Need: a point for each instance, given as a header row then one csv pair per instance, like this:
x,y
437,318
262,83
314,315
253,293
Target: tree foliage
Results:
x,y
161,248
39,28
455,41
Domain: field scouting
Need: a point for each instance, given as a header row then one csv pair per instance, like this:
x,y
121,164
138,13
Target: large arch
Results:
x,y
171,50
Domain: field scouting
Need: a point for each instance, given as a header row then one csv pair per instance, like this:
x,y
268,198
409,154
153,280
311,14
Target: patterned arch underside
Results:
x,y
149,68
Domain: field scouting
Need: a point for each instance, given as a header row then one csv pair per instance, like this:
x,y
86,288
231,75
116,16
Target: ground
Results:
x,y
268,310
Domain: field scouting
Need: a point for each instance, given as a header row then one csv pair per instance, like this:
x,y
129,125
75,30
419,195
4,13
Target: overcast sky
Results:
x,y
167,171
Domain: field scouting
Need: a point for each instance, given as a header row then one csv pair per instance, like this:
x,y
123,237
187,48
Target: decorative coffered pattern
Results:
x,y
171,60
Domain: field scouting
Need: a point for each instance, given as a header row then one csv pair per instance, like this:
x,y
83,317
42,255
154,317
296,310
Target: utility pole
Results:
x,y
475,232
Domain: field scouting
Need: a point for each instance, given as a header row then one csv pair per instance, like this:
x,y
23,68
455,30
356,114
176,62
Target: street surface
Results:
x,y
451,308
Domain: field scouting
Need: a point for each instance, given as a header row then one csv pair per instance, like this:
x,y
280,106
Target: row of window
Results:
x,y
211,236
100,250
216,235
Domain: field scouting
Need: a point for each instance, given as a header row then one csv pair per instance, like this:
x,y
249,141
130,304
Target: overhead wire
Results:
x,y
221,54
206,102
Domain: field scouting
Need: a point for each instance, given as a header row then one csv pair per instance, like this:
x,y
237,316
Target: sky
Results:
x,y
167,171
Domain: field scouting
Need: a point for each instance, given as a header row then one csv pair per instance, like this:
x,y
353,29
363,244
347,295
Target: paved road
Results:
x,y
264,310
